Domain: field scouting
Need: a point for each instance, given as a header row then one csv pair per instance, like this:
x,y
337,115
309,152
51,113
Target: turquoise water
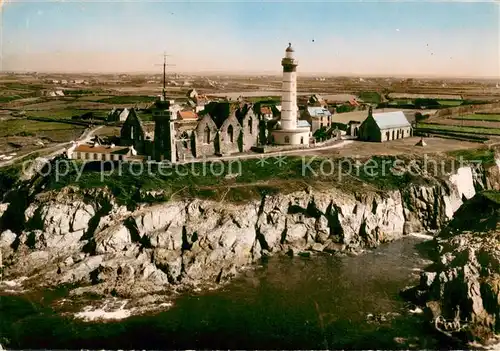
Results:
x,y
286,303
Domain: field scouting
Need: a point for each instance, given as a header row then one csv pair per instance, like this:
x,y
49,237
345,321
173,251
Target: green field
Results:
x,y
82,92
265,99
492,195
23,127
480,117
21,86
450,103
64,114
9,98
127,99
371,97
485,156
460,129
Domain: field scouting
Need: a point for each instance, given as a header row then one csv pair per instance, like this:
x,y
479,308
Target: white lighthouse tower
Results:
x,y
289,131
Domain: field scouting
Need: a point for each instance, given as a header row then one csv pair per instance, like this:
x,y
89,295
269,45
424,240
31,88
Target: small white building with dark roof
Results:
x,y
318,117
385,126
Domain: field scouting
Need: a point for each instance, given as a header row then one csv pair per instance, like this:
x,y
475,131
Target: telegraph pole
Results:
x,y
164,91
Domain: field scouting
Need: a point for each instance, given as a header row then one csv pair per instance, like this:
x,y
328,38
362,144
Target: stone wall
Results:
x,y
397,133
250,125
298,137
467,109
230,136
202,147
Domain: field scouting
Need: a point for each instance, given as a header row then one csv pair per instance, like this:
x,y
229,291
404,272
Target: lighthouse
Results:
x,y
290,130
289,90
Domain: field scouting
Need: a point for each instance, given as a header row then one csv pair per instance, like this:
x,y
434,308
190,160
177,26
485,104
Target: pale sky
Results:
x,y
351,37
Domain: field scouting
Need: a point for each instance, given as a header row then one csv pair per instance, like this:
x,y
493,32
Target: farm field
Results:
x,y
450,103
480,117
465,122
460,129
59,132
62,114
101,93
108,131
66,113
127,99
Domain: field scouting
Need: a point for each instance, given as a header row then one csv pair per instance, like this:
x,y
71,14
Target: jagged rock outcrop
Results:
x,y
84,236
464,282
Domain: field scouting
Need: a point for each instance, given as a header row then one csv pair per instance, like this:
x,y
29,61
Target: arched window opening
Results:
x,y
185,139
230,134
250,125
287,139
302,140
207,135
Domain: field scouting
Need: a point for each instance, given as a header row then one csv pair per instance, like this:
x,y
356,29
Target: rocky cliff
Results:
x,y
84,237
461,290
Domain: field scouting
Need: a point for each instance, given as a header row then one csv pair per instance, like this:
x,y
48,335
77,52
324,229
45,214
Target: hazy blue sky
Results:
x,y
400,38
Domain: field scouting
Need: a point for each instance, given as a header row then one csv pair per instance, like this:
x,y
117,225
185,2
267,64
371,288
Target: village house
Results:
x,y
118,115
385,126
187,115
100,153
318,117
97,151
353,128
196,101
317,100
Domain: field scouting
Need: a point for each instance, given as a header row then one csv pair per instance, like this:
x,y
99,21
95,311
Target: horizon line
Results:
x,y
254,73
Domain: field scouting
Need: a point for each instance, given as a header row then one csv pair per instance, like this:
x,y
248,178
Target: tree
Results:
x,y
320,134
345,108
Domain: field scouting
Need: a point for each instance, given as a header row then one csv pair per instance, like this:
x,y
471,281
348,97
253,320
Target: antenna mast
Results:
x,y
164,91
164,76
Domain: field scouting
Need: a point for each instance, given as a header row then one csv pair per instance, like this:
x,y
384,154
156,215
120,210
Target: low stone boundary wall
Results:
x,y
278,148
466,109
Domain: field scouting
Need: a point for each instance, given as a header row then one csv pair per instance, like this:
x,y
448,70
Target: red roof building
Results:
x,y
187,115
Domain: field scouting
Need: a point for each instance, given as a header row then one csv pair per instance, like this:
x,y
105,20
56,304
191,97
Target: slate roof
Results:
x,y
386,120
303,124
318,112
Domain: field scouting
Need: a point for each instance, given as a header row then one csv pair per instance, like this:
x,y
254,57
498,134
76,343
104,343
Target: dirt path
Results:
x,y
53,150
